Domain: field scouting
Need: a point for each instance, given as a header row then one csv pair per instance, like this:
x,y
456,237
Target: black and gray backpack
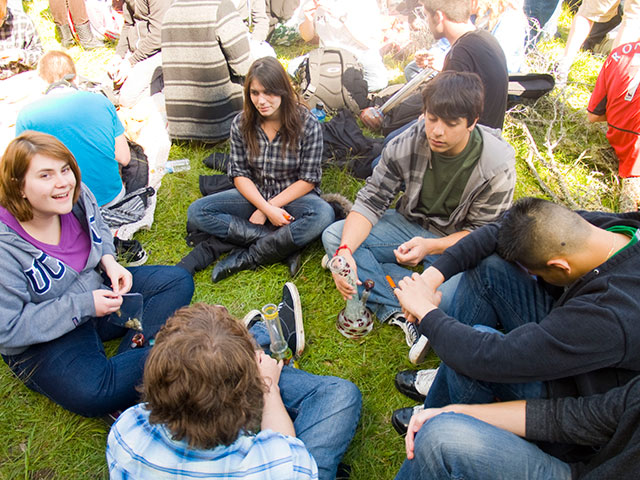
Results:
x,y
332,76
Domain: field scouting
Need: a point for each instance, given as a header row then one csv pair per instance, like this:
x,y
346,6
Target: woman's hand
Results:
x,y
106,302
258,218
279,217
121,278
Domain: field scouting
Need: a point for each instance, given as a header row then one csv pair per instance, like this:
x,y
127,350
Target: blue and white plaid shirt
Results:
x,y
270,171
139,450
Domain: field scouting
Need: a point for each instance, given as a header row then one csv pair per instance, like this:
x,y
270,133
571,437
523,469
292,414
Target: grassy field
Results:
x,y
559,156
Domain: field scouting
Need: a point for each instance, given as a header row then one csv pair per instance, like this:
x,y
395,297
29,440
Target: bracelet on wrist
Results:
x,y
343,247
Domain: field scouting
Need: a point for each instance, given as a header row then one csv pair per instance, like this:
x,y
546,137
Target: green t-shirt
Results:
x,y
444,182
628,231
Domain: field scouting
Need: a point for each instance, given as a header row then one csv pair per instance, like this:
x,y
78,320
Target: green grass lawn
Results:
x,y
571,158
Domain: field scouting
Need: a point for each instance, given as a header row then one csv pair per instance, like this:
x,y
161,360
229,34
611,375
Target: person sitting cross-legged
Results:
x,y
496,440
217,405
562,288
275,208
456,176
62,289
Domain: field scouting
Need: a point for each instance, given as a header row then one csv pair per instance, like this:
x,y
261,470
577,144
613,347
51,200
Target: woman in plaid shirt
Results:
x,y
275,164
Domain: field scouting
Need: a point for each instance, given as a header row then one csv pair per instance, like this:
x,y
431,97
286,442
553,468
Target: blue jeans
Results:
x,y
74,371
213,213
455,446
375,260
494,294
325,410
546,13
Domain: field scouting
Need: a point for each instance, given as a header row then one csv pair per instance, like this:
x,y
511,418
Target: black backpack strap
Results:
x,y
348,100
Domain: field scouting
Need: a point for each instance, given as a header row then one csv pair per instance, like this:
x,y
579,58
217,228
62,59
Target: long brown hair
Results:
x,y
270,73
15,163
201,379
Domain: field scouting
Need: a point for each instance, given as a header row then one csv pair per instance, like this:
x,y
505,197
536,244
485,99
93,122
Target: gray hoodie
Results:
x,y
488,193
41,298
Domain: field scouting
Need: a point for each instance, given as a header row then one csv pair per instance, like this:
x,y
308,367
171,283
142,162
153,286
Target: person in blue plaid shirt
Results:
x,y
275,163
217,407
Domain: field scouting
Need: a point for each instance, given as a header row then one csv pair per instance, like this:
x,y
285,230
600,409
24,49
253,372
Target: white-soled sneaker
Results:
x,y
424,380
419,350
410,331
251,318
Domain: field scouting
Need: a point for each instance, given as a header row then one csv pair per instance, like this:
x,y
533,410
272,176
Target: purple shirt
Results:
x,y
74,246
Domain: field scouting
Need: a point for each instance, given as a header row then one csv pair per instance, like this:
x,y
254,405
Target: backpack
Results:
x,y
529,86
332,76
128,210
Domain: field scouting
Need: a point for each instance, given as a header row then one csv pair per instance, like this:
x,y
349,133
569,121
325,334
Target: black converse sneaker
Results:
x,y
130,252
419,350
290,311
418,344
251,318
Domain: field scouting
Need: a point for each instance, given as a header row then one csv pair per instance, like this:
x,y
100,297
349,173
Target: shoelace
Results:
x,y
412,331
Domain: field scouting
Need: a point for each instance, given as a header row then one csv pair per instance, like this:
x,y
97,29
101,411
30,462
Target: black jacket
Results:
x,y
589,342
610,421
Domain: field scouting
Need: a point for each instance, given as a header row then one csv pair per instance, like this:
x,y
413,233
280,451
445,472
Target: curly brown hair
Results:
x,y
270,73
201,379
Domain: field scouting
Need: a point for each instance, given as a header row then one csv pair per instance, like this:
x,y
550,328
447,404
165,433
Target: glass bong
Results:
x,y
355,320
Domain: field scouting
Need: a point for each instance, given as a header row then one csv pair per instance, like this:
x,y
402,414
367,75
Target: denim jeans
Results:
x,y
454,446
74,370
375,260
546,13
213,213
494,294
325,410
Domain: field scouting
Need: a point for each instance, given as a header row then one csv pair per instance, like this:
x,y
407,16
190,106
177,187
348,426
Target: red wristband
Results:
x,y
341,247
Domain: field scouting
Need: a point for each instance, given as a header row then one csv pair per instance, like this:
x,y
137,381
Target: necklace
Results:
x,y
613,246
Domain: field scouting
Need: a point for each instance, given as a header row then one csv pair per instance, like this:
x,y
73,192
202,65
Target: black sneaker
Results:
x,y
290,311
418,344
110,418
130,252
251,318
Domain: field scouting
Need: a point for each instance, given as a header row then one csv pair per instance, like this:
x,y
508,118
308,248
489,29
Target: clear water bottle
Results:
x,y
319,112
179,165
